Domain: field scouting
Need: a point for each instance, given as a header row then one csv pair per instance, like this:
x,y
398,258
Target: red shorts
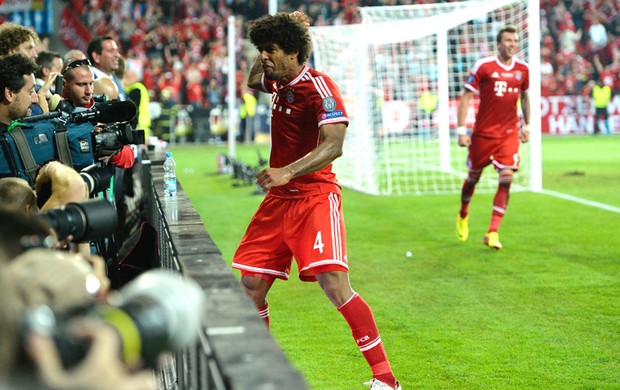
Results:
x,y
310,229
501,152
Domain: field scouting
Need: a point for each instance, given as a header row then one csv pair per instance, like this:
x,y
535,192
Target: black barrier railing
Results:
x,y
235,350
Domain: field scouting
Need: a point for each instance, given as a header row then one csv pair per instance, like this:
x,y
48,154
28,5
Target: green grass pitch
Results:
x,y
542,313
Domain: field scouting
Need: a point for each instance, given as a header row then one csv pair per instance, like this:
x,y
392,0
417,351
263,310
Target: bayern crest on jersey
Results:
x,y
288,95
518,75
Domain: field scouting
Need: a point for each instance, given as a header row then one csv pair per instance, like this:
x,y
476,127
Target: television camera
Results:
x,y
110,118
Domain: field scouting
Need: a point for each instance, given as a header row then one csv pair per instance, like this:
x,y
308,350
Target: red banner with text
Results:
x,y
561,115
72,32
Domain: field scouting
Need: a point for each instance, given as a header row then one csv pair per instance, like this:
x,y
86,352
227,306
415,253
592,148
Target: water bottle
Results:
x,y
170,176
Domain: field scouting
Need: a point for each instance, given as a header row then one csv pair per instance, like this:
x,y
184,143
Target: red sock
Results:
x,y
467,191
263,312
358,315
500,202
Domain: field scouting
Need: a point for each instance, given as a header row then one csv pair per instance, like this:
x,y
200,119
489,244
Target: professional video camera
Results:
x,y
159,311
85,221
105,112
113,136
106,122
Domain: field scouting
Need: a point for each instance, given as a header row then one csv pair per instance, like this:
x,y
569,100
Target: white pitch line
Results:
x,y
582,201
225,330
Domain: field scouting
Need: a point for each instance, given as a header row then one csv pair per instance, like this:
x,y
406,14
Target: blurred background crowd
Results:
x,y
179,49
580,44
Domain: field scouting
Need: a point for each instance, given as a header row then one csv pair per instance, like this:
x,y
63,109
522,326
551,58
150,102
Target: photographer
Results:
x,y
78,89
80,226
17,39
16,194
66,185
112,344
50,64
62,282
101,368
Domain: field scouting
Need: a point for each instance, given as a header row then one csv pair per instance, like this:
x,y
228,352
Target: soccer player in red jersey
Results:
x,y
500,81
301,215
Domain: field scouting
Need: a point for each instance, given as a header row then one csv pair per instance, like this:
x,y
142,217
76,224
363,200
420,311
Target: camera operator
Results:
x,y
18,88
78,81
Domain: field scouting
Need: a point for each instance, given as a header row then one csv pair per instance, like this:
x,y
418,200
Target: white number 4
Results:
x,y
318,242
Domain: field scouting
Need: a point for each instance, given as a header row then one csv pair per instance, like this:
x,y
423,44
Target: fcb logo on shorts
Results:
x,y
329,104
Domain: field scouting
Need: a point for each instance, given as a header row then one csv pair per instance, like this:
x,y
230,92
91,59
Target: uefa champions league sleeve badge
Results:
x,y
329,104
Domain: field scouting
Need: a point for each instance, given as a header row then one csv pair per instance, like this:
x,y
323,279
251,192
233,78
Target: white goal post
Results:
x,y
401,73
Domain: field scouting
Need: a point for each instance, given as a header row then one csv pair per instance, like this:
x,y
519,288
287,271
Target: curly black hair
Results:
x,y
13,68
286,31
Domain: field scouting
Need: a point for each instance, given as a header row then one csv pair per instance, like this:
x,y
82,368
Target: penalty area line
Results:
x,y
586,202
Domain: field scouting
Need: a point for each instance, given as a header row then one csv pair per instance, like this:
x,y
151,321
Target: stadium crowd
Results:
x,y
181,46
580,44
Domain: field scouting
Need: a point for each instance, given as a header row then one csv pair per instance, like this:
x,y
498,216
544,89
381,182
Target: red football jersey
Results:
x,y
499,87
298,110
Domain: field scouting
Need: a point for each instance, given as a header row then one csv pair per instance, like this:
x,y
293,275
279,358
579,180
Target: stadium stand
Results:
x,y
580,39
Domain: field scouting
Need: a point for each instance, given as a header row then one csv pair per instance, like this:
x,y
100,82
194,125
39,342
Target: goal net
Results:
x,y
401,73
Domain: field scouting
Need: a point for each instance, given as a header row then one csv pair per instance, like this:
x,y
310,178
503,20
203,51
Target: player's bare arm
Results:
x,y
463,139
256,73
524,135
329,149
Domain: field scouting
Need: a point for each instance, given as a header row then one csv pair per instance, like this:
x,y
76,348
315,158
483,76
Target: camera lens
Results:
x,y
158,311
97,178
85,221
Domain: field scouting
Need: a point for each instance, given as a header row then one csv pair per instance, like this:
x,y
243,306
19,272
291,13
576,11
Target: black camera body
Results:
x,y
87,143
113,137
